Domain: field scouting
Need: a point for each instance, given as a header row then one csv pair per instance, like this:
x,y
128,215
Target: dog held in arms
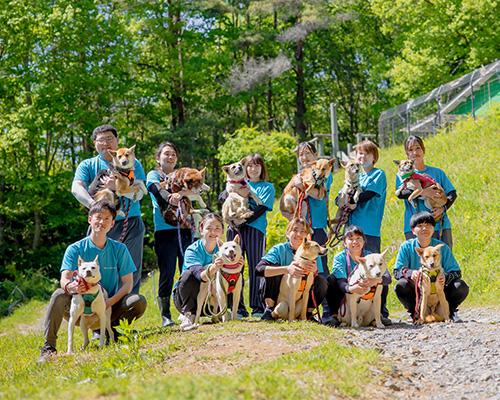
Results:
x,y
90,307
433,306
235,206
350,191
364,310
313,177
417,183
294,292
122,168
227,280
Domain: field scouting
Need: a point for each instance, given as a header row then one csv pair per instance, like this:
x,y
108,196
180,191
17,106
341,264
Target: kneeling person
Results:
x,y
117,270
408,263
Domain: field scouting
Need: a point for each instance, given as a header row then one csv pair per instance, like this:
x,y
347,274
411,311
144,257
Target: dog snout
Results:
x,y
88,274
431,265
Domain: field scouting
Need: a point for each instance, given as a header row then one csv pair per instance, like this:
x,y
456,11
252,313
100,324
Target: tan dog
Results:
x,y
311,178
227,280
89,307
294,294
417,183
433,306
364,310
122,168
351,187
235,207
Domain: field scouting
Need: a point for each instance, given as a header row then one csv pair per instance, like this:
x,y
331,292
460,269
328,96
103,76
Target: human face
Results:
x,y
415,153
167,160
106,141
101,222
364,158
253,171
423,232
296,235
212,230
354,244
306,156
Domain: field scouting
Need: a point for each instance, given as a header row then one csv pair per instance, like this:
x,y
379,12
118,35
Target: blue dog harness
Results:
x,y
89,299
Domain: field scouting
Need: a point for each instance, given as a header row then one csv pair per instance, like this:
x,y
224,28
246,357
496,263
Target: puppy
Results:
x,y
433,307
313,177
122,168
236,206
227,280
351,187
294,292
417,183
364,310
89,307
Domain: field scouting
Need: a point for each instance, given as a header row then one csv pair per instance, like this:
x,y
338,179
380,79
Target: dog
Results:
x,y
313,177
364,310
417,183
236,207
185,179
433,307
351,189
89,307
122,168
227,280
294,292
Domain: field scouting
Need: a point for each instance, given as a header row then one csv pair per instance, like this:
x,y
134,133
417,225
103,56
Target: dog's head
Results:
x,y
322,167
89,271
230,252
372,266
430,257
310,250
352,170
190,179
123,158
236,171
404,166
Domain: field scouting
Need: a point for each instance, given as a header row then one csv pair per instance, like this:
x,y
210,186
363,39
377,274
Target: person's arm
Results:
x,y
161,195
366,196
126,288
258,211
79,190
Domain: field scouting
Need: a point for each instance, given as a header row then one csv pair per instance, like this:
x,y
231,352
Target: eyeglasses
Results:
x,y
107,139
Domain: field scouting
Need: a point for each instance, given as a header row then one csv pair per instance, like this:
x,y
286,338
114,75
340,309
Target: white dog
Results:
x,y
362,310
89,307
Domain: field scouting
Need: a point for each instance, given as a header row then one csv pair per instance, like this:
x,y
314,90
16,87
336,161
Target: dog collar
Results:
x,y
406,176
231,266
243,182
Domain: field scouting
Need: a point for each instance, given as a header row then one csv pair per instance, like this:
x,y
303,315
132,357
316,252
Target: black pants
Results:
x,y
456,292
186,293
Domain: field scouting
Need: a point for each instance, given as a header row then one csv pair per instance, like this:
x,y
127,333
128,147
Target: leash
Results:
x,y
316,306
191,225
125,222
338,235
211,281
343,307
79,280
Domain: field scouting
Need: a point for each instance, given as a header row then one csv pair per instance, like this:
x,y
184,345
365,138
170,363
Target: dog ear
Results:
x,y
132,149
397,162
419,251
202,172
112,152
80,261
332,161
243,161
219,242
96,259
237,239
384,253
343,163
361,260
439,246
225,168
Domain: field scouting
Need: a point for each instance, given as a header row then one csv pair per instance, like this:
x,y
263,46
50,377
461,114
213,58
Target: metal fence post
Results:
x,y
335,133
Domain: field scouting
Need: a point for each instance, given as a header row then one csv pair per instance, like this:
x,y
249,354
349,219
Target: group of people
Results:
x,y
118,241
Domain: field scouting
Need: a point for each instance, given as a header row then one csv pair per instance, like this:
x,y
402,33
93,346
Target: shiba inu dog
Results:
x,y
90,307
351,188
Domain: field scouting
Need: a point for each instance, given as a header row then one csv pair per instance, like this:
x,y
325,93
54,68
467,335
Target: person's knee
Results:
x,y
139,304
403,288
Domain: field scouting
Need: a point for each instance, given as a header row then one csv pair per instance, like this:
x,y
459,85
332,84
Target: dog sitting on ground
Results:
x,y
122,168
417,183
236,207
294,292
90,307
313,177
433,305
364,310
351,188
227,280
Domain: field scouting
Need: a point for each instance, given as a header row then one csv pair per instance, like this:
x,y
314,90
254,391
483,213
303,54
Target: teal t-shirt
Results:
x,y
265,192
368,215
440,177
114,261
196,254
281,254
160,224
319,213
87,171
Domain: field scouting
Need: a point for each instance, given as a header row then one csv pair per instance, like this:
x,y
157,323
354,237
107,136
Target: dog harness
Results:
x,y
129,174
433,277
425,180
89,299
370,294
231,280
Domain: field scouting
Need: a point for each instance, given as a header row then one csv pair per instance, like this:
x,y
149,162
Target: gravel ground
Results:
x,y
439,361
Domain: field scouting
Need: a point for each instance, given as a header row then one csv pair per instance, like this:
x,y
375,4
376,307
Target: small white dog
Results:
x,y
89,307
362,310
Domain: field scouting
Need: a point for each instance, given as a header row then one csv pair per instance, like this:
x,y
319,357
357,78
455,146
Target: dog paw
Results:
x,y
121,213
419,321
356,325
380,326
190,327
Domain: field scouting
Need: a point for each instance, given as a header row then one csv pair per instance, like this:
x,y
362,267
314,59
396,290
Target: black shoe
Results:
x,y
47,353
333,322
267,315
456,318
243,313
386,321
166,321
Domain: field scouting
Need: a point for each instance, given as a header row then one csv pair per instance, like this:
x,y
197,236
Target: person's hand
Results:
x,y
186,192
238,222
241,261
218,263
358,289
437,212
108,303
297,182
174,199
244,191
295,271
310,266
75,287
108,182
370,282
414,275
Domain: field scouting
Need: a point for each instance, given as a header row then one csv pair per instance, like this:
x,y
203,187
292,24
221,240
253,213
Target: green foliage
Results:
x,y
275,148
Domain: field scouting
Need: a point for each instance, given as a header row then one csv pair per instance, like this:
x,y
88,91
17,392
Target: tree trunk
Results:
x,y
300,112
38,230
270,116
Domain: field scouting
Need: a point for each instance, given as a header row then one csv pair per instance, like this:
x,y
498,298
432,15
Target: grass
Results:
x,y
157,363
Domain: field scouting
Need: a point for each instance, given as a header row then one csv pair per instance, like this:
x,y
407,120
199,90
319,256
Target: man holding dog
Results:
x,y
117,270
106,138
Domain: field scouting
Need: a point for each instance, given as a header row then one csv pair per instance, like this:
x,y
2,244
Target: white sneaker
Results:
x,y
187,321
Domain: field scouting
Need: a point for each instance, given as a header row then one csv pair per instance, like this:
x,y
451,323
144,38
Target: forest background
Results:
x,y
206,75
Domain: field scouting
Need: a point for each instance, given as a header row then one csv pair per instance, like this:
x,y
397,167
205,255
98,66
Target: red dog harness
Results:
x,y
425,180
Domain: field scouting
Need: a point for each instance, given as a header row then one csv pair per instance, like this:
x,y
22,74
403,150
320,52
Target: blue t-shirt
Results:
x,y
114,261
281,254
319,214
87,171
440,177
265,192
196,254
160,224
368,215
408,257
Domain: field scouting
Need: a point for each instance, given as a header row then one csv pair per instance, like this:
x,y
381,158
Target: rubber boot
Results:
x,y
166,318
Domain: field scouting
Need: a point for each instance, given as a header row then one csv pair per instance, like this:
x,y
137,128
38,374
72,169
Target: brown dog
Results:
x,y
417,183
313,177
433,304
294,294
351,187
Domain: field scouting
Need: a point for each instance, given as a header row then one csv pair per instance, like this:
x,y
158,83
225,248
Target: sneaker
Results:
x,y
166,321
456,318
188,321
333,322
267,315
96,335
386,321
257,314
47,353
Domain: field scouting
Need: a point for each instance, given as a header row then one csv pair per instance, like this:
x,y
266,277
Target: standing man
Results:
x,y
106,138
